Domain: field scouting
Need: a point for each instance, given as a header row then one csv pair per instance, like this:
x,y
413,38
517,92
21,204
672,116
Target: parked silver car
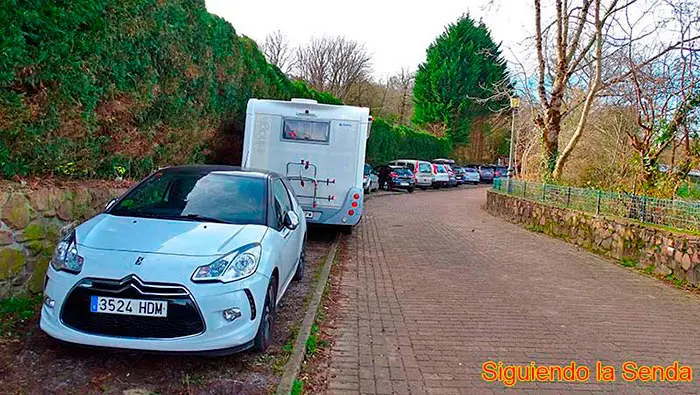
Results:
x,y
370,181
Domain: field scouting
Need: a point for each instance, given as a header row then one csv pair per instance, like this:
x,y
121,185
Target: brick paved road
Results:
x,y
433,286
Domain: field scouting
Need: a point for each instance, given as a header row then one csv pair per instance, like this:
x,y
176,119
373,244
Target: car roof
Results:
x,y
223,169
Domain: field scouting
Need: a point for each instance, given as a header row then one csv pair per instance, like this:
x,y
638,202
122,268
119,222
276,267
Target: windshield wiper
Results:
x,y
203,218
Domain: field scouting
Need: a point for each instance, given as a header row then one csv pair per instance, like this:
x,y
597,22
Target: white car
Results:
x,y
471,175
370,181
441,177
192,259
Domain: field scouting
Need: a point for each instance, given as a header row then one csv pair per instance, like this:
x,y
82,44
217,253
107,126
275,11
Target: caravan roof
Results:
x,y
308,108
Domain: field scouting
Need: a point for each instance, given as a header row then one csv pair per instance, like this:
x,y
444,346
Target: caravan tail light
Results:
x,y
354,204
356,196
351,212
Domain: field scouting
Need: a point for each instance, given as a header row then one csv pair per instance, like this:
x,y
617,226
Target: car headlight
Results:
x,y
235,266
65,256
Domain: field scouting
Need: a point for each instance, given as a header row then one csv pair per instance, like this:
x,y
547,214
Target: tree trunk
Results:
x,y
550,142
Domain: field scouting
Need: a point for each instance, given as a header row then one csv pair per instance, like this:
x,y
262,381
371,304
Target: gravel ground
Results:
x,y
35,363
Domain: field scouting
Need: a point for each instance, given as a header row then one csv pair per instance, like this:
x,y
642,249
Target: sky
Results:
x,y
396,33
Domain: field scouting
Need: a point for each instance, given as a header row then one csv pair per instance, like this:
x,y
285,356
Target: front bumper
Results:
x,y
211,300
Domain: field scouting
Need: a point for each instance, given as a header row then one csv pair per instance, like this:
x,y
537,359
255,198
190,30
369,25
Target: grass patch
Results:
x,y
678,283
16,310
627,262
649,270
298,387
280,362
194,379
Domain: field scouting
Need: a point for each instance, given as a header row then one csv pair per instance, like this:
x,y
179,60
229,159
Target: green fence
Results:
x,y
679,214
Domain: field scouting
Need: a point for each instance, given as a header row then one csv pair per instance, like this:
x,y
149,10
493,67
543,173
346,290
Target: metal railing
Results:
x,y
679,214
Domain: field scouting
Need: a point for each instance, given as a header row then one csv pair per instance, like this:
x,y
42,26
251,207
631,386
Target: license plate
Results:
x,y
404,184
308,214
145,308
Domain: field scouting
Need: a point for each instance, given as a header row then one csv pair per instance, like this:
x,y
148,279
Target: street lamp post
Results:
x,y
514,104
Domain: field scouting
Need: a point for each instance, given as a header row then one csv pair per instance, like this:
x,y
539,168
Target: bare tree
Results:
x,y
278,51
664,94
582,43
333,64
402,82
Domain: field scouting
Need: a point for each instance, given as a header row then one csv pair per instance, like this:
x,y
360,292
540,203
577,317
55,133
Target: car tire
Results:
x,y
263,338
301,266
410,190
347,229
423,188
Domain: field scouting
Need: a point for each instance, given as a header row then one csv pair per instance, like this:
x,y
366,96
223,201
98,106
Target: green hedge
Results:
x,y
99,88
388,142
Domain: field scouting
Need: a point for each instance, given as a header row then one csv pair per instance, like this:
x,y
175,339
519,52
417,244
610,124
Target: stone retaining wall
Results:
x,y
30,224
668,252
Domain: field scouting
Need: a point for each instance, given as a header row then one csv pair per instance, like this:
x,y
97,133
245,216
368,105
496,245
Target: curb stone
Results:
x,y
299,350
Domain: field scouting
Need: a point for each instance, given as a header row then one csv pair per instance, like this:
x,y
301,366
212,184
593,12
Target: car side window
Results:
x,y
280,198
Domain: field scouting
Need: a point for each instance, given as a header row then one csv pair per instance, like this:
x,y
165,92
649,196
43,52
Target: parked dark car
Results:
x,y
395,177
452,182
459,174
486,173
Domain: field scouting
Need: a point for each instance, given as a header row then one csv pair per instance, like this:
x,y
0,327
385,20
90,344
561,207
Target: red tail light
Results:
x,y
351,212
434,169
393,175
354,204
356,196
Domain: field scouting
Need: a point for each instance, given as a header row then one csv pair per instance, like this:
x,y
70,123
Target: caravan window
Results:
x,y
311,131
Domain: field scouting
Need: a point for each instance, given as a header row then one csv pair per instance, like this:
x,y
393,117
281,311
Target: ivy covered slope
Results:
x,y
96,88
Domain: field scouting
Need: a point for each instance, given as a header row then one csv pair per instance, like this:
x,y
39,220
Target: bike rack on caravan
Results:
x,y
302,166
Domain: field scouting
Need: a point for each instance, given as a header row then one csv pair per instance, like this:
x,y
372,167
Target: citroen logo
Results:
x,y
139,260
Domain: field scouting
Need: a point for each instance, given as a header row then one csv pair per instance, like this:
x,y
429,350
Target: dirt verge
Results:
x,y
31,362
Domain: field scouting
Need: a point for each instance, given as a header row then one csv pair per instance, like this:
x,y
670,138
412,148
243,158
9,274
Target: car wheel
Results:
x,y
410,190
267,318
301,267
423,188
347,229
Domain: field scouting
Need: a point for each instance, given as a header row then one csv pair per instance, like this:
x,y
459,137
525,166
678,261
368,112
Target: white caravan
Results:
x,y
319,147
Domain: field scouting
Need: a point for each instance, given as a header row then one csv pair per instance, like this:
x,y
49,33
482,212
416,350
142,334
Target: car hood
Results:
x,y
160,236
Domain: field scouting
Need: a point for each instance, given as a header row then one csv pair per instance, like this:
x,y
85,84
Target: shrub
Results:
x,y
388,142
103,88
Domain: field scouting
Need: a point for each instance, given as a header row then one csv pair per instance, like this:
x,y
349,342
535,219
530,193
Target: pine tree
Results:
x,y
462,64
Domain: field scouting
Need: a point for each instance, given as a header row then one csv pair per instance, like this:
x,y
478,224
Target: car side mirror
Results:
x,y
291,220
110,203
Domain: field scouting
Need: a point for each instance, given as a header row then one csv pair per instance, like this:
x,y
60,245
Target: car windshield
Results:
x,y
403,172
198,196
441,169
368,169
470,170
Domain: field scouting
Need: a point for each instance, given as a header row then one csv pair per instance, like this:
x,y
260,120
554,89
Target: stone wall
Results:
x,y
657,250
31,221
